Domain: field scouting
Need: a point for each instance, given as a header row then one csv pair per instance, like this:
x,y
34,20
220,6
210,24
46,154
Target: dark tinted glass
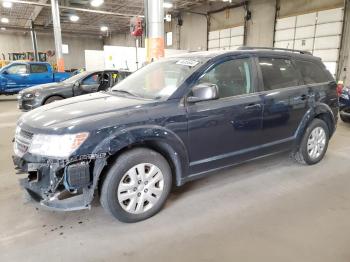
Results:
x,y
278,73
312,73
232,77
38,68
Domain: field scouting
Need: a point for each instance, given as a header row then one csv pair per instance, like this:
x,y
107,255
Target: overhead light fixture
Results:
x,y
104,28
96,3
7,4
74,18
5,20
167,5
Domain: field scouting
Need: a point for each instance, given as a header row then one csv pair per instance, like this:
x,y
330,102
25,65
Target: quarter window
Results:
x,y
38,68
278,73
312,73
232,77
17,69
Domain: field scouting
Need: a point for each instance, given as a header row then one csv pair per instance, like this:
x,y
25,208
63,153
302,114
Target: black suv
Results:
x,y
173,121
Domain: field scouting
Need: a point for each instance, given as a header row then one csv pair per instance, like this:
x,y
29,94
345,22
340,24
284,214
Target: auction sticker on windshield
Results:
x,y
187,62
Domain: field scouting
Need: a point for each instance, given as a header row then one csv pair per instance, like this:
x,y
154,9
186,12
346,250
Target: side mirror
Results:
x,y
5,73
204,92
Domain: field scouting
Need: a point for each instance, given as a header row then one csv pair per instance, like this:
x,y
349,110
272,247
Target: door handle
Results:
x,y
252,106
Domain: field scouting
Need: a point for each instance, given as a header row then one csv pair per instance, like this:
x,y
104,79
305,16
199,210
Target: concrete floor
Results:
x,y
268,210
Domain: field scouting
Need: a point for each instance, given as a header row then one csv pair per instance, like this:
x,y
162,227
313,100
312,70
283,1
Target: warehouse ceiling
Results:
x,y
21,14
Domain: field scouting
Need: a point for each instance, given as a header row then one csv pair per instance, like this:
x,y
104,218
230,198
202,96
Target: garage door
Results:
x,y
318,32
226,39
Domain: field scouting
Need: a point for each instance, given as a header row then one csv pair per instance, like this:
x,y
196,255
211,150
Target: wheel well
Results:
x,y
159,147
328,120
52,96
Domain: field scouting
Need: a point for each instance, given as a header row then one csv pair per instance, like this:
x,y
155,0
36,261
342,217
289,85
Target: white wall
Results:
x,y
21,42
120,40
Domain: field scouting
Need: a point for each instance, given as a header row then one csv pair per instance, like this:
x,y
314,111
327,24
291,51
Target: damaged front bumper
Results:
x,y
61,185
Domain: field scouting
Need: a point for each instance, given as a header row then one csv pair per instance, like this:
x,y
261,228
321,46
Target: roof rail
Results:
x,y
275,48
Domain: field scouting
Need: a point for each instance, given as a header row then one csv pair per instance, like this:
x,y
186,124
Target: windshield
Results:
x,y
76,78
158,80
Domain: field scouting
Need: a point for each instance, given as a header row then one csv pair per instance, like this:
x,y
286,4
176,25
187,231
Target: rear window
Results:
x,y
278,73
312,73
36,68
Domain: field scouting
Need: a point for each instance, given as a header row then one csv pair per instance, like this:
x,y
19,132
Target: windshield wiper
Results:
x,y
124,92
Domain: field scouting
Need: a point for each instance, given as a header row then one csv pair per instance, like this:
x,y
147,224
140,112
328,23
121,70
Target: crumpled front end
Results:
x,y
57,184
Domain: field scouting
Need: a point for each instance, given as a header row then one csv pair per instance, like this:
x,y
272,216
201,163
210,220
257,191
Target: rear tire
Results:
x,y
52,99
314,143
137,185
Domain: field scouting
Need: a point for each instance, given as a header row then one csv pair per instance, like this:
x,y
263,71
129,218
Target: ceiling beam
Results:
x,y
35,13
75,8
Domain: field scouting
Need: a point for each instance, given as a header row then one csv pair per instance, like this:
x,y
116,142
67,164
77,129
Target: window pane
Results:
x,y
38,68
17,69
91,80
169,38
232,78
311,72
278,73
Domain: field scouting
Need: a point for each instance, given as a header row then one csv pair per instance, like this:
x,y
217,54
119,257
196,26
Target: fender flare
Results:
x,y
320,108
155,137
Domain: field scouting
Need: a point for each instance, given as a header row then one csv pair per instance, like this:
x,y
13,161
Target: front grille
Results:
x,y
26,134
23,140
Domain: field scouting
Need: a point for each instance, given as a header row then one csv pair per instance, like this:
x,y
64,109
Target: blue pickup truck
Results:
x,y
20,75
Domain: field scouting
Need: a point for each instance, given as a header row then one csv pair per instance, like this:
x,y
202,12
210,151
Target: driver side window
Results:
x,y
232,77
92,79
17,69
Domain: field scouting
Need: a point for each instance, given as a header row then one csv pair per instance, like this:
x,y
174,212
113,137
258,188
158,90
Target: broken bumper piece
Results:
x,y
57,186
59,201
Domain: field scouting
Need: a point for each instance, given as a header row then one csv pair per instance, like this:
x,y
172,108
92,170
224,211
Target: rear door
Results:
x,y
39,74
285,100
228,129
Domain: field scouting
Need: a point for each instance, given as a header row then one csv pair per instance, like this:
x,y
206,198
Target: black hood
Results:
x,y
82,113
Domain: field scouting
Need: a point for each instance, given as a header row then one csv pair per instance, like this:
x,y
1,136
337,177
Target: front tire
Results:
x,y
52,99
314,144
137,185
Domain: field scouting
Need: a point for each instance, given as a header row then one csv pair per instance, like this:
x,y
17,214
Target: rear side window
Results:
x,y
36,68
278,73
312,73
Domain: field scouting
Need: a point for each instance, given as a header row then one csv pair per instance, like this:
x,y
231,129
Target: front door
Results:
x,y
16,77
89,84
228,129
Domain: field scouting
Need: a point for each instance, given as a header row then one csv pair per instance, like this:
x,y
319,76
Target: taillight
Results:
x,y
340,87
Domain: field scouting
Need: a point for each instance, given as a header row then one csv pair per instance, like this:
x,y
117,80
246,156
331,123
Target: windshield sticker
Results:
x,y
190,63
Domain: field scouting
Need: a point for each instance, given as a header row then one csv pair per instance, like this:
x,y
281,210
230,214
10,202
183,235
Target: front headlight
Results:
x,y
30,95
61,146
